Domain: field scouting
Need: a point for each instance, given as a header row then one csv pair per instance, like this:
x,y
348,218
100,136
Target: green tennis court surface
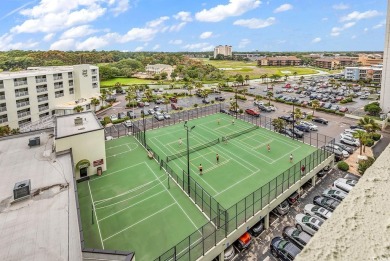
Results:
x,y
244,164
134,208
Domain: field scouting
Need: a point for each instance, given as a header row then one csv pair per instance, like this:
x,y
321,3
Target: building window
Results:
x,y
71,91
88,106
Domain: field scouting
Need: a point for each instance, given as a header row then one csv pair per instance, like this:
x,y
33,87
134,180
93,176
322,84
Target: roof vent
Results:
x,y
78,121
22,189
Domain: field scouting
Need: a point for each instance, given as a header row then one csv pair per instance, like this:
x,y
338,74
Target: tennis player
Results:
x,y
217,156
200,169
291,158
268,147
180,142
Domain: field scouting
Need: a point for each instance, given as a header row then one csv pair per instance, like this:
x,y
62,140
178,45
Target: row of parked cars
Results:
x,y
294,239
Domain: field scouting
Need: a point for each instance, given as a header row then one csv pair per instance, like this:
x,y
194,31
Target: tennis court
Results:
x,y
244,165
132,206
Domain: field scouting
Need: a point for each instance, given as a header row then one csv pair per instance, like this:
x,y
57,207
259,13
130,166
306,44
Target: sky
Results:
x,y
193,25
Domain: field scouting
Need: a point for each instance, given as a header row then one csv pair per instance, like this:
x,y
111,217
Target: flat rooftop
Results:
x,y
65,125
44,226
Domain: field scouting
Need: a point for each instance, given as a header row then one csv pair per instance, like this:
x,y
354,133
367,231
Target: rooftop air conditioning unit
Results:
x,y
22,189
36,141
78,121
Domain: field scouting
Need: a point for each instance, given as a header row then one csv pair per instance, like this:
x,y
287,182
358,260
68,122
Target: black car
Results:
x,y
302,128
297,132
224,111
287,118
264,108
205,101
131,115
344,147
327,203
320,120
288,133
121,115
354,127
219,98
299,238
293,198
283,249
257,228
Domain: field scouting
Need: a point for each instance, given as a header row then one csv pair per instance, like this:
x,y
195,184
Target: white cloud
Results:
x,y
93,42
177,42
233,8
121,7
16,10
316,40
340,6
255,23
355,16
337,30
157,46
381,24
48,37
157,22
199,47
63,45
139,34
283,8
353,37
243,43
76,32
138,49
365,29
205,35
183,16
177,27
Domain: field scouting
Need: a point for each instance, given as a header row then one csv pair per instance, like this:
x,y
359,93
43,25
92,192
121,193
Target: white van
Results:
x,y
344,184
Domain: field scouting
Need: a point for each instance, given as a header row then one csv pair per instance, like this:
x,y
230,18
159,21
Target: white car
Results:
x,y
273,108
307,223
258,103
159,116
146,104
310,125
344,184
318,212
113,117
349,131
128,123
334,193
339,150
349,140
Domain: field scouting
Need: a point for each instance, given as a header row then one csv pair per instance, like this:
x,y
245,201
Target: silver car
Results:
x,y
317,212
334,194
282,208
307,223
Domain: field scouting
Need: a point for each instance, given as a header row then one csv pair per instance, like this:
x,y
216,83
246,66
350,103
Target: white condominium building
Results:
x,y
30,95
225,50
364,73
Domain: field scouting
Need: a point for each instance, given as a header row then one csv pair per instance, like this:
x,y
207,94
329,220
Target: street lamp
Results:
x,y
143,123
188,129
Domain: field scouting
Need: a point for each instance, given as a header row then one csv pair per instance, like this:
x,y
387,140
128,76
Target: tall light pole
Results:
x,y
188,129
143,123
236,102
293,129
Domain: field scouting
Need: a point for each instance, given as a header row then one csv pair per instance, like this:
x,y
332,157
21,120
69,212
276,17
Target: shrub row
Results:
x,y
365,164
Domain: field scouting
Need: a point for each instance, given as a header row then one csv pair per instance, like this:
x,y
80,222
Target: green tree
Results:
x,y
295,74
247,79
297,113
315,105
240,79
278,124
234,105
78,109
270,95
369,124
285,77
95,102
373,108
362,137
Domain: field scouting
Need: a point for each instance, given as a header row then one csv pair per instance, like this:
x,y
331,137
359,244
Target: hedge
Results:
x,y
342,165
365,164
120,120
376,136
369,142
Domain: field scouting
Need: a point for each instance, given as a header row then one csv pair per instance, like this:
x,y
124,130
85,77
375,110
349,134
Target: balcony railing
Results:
x,y
57,78
20,94
1,85
70,76
94,79
59,95
3,108
42,90
20,83
40,80
71,83
43,108
2,97
22,104
94,72
58,86
41,99
24,114
2,120
94,85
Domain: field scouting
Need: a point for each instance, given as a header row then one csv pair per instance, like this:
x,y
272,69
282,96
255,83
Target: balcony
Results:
x,y
70,83
20,94
58,95
24,114
22,104
40,80
2,120
2,97
41,99
41,90
70,75
94,72
43,108
3,108
59,86
94,85
56,78
94,79
1,85
20,83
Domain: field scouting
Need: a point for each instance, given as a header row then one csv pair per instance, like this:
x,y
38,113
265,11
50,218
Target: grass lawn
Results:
x,y
125,81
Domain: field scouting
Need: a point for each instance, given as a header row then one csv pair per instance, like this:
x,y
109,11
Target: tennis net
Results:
x,y
191,150
234,135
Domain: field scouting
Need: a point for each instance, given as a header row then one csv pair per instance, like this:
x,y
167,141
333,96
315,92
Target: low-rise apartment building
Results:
x,y
332,63
374,73
370,59
29,95
280,61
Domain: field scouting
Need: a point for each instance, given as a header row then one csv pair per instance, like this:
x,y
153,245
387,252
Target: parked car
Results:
x,y
310,125
272,107
343,109
344,184
264,108
302,128
146,103
140,104
113,117
166,115
297,237
224,111
283,249
317,212
173,99
252,112
293,198
344,147
243,241
128,123
356,127
150,111
337,150
287,118
349,140
327,203
159,116
282,208
334,194
257,228
131,114
205,101
159,101
174,106
229,253
219,98
257,103
307,223
288,133
320,120
121,115
297,132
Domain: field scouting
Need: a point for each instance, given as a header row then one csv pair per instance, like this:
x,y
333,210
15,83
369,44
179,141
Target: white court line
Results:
x,y
135,204
96,217
128,198
216,165
121,145
107,175
126,228
238,182
114,155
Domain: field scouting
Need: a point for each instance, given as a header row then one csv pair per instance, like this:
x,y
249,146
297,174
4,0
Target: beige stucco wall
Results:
x,y
90,146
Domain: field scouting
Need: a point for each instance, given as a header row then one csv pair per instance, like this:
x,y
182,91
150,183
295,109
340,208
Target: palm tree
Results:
x,y
269,95
78,109
337,85
362,137
234,106
295,74
285,77
278,124
315,105
369,124
297,113
349,85
148,93
246,78
198,85
189,88
95,102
